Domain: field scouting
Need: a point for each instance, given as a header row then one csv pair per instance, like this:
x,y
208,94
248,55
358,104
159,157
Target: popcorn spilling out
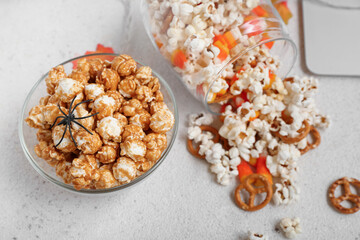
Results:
x,y
290,227
200,37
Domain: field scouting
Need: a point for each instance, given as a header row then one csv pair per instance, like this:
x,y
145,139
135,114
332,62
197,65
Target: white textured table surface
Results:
x,y
180,200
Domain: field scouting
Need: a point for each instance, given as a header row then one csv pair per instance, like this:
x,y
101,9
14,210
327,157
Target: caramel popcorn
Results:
x,y
44,135
134,149
84,171
66,145
110,128
144,74
124,170
91,128
105,106
67,89
133,131
127,86
106,154
124,65
107,179
88,143
109,78
62,169
53,78
141,118
143,93
123,120
95,67
80,76
131,107
119,99
93,90
48,152
162,121
36,118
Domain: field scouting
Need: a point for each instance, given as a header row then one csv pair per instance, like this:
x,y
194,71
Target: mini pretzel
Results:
x,y
348,195
317,140
253,191
303,132
225,143
222,98
204,128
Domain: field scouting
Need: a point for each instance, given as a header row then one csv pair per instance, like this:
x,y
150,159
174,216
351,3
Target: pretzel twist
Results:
x,y
348,195
204,128
253,191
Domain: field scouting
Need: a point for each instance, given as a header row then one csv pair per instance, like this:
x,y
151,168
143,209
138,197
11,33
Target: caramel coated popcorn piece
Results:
x,y
119,99
44,135
109,78
105,106
141,118
143,93
155,145
124,65
127,86
156,106
134,149
84,171
55,74
133,131
124,170
110,129
107,179
62,169
162,121
49,153
154,84
36,118
80,76
67,89
93,90
66,144
51,112
144,75
158,96
123,120
106,154
87,143
131,107
95,67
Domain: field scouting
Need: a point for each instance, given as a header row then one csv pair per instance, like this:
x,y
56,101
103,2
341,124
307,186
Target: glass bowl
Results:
x,y
28,138
265,27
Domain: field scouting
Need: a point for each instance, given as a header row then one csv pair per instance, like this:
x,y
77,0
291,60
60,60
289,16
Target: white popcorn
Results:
x,y
290,227
286,192
200,119
256,236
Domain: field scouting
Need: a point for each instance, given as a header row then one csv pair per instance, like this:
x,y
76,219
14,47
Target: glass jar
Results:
x,y
212,45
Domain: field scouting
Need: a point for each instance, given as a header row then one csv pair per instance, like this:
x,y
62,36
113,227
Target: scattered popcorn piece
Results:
x,y
256,236
290,227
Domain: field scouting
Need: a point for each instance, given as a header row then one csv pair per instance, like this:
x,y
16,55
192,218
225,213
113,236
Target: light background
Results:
x,y
180,200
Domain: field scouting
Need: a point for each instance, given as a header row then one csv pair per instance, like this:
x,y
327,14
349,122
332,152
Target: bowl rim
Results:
x,y
94,191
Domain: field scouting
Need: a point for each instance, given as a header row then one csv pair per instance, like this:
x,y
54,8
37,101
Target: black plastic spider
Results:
x,y
67,119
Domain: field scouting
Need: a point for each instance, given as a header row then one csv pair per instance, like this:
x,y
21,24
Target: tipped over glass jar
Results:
x,y
220,48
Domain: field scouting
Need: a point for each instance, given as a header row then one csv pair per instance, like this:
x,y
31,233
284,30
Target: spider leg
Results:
x,y
62,136
79,104
61,110
72,135
71,103
62,122
87,116
82,127
56,120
